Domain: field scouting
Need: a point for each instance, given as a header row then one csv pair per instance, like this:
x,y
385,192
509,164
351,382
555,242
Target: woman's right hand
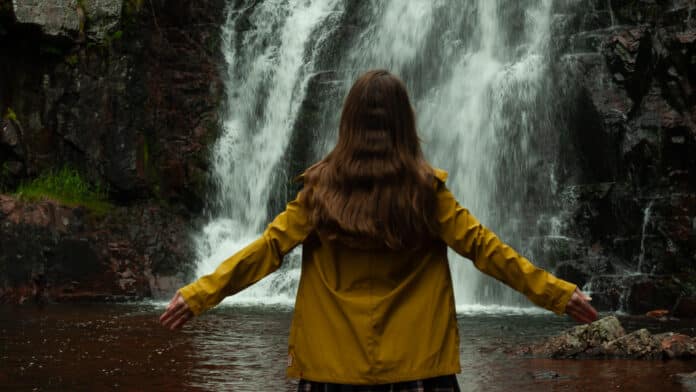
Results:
x,y
579,307
176,314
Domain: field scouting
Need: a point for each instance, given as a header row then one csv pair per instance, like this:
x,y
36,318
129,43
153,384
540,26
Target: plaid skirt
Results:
x,y
435,384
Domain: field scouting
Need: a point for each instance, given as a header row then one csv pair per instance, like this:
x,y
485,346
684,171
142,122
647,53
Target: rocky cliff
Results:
x,y
127,93
627,77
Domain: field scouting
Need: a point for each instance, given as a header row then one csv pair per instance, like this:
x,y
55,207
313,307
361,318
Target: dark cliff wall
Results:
x,y
127,93
627,80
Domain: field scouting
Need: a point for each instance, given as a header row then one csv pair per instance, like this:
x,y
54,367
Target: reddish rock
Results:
x,y
658,313
128,253
675,345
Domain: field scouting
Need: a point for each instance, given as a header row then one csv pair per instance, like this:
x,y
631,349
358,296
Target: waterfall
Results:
x,y
476,71
270,49
611,13
643,231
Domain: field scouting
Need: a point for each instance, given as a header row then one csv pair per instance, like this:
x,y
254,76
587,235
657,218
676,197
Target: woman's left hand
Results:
x,y
579,307
176,314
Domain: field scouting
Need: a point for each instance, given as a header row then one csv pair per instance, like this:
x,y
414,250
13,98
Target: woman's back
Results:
x,y
373,315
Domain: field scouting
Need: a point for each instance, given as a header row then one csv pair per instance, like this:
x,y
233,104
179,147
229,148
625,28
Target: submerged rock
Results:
x,y
606,338
688,380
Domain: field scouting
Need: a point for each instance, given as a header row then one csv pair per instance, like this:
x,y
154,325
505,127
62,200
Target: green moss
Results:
x,y
65,186
132,6
10,115
146,154
71,59
83,16
151,175
50,50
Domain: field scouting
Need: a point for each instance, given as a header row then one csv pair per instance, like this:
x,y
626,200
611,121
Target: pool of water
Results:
x,y
67,347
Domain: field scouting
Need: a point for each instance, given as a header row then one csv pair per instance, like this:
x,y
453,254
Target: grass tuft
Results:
x,y
10,115
65,186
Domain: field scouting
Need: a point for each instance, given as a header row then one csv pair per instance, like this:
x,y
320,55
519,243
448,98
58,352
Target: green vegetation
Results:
x,y
132,6
48,49
105,44
146,153
4,176
71,59
109,39
65,186
10,115
83,15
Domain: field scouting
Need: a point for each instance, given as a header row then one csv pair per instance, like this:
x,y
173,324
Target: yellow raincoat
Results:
x,y
374,317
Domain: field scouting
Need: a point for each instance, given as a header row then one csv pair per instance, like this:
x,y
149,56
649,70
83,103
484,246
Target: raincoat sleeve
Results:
x,y
462,232
252,263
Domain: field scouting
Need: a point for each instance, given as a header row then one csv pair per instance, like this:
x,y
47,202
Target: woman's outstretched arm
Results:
x,y
242,269
463,233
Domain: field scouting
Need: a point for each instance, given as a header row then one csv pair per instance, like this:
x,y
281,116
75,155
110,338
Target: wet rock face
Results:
x,y
126,91
606,338
58,253
627,80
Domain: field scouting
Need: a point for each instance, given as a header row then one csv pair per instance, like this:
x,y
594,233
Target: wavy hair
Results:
x,y
374,189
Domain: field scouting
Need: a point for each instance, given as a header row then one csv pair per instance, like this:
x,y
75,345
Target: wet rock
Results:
x,y
129,94
102,18
84,256
628,56
658,313
579,340
688,380
634,293
639,344
9,133
628,72
674,345
685,307
55,18
605,338
545,375
70,18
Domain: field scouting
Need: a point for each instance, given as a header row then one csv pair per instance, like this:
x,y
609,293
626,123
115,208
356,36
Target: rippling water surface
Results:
x,y
122,347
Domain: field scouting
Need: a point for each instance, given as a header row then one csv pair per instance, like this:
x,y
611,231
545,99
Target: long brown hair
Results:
x,y
375,187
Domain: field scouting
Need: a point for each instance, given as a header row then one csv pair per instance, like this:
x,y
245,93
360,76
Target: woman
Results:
x,y
375,303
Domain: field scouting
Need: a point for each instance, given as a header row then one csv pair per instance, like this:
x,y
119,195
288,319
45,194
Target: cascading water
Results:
x,y
476,72
269,49
643,232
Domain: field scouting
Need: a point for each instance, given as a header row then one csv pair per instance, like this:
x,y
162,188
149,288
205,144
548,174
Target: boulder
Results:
x,y
639,344
55,18
676,345
70,18
605,338
579,340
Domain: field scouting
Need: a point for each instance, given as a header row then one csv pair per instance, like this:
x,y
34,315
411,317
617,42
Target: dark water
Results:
x,y
122,347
